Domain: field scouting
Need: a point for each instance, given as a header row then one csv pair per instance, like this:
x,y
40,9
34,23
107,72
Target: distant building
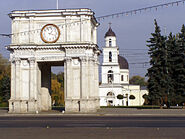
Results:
x,y
115,77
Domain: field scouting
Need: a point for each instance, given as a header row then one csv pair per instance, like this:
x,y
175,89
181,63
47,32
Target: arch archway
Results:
x,y
110,99
44,42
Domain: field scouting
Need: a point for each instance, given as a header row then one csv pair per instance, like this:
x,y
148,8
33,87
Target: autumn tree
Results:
x,y
57,93
57,88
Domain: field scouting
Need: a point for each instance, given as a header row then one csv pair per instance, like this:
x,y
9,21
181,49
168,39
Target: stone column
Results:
x,y
96,84
33,86
68,78
32,77
65,80
12,95
95,35
45,87
89,85
96,79
38,81
91,77
71,104
84,73
16,102
17,78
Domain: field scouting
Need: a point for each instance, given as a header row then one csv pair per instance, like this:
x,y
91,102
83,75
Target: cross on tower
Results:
x,y
110,24
57,4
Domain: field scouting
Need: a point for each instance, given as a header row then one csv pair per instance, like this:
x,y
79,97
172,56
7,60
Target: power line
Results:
x,y
131,12
106,16
6,35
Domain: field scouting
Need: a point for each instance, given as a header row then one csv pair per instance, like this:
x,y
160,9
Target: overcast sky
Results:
x,y
132,31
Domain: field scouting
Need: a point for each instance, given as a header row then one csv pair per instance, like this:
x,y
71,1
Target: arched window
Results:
x,y
122,77
110,94
132,97
110,56
110,42
110,76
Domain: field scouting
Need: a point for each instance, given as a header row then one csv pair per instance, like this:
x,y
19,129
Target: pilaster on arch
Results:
x,y
33,78
84,77
68,76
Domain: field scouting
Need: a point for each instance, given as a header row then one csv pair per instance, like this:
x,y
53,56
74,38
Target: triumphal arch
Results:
x,y
45,38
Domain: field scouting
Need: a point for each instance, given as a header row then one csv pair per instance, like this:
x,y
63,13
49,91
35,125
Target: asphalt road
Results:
x,y
59,127
91,121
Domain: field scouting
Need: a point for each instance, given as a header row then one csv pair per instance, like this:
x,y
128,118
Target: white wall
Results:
x,y
125,73
103,95
126,91
115,53
116,73
113,40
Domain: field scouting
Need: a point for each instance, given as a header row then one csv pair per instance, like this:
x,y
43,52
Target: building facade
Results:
x,y
115,89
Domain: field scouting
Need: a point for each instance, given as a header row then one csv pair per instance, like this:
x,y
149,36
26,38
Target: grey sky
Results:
x,y
132,31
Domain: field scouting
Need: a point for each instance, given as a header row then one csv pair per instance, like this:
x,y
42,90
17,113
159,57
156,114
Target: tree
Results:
x,y
166,82
4,80
57,93
57,88
120,96
5,88
172,50
138,80
179,70
145,96
132,97
60,78
157,74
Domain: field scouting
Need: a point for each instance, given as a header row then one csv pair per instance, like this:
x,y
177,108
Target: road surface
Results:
x,y
59,127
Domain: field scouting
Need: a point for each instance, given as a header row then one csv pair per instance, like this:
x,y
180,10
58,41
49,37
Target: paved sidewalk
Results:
x,y
107,112
134,111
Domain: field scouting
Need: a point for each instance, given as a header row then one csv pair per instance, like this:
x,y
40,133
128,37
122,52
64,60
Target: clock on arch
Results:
x,y
50,33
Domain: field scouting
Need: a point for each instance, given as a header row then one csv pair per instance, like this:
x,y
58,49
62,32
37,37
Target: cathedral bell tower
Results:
x,y
110,66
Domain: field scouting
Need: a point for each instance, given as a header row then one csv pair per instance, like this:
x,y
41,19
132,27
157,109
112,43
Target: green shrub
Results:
x,y
132,97
120,97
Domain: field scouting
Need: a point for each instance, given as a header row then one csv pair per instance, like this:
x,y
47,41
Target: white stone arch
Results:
x,y
31,59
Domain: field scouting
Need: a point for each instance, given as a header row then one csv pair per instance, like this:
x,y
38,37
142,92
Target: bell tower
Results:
x,y
110,38
110,66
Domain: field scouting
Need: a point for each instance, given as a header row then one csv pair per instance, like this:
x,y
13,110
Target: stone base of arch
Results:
x,y
31,79
82,105
22,106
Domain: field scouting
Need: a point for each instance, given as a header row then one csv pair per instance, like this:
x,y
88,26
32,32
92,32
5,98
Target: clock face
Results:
x,y
50,33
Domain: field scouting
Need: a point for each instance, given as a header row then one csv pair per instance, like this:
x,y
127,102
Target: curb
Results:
x,y
98,115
